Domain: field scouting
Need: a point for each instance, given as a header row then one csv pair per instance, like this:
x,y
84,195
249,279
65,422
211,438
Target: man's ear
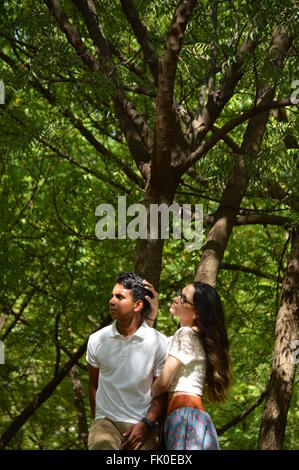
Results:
x,y
138,306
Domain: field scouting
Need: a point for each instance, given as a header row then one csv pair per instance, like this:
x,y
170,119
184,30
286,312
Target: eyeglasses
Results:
x,y
183,299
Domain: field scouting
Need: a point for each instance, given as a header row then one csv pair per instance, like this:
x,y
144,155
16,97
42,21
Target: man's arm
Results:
x,y
157,406
137,435
93,373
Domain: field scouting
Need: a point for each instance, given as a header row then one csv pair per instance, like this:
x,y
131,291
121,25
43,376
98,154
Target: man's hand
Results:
x,y
154,302
135,436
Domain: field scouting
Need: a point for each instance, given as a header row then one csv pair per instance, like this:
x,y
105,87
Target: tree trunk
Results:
x,y
148,255
79,404
226,215
148,262
162,181
279,390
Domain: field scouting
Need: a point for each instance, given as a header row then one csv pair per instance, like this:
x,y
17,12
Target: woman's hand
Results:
x,y
154,302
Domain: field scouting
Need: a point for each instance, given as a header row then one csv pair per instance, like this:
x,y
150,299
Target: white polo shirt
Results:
x,y
126,370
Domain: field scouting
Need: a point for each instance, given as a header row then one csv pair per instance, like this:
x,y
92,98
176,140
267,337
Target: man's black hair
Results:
x,y
134,282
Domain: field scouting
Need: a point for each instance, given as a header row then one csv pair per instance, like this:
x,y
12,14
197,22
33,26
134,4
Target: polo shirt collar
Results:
x,y
138,334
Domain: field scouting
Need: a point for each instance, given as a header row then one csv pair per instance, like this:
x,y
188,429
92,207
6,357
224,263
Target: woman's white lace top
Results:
x,y
186,347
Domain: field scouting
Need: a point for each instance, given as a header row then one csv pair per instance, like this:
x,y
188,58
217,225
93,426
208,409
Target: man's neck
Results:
x,y
128,329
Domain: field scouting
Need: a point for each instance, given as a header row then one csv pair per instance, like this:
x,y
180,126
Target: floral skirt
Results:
x,y
190,429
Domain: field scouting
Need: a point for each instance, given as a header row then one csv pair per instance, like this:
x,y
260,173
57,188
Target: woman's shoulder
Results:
x,y
188,340
186,331
186,336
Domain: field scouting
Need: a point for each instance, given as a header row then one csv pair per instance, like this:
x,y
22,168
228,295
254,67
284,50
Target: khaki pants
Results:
x,y
106,434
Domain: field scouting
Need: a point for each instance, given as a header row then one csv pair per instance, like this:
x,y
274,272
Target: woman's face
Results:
x,y
181,306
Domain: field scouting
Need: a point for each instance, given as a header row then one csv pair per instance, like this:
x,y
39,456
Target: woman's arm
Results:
x,y
152,312
170,368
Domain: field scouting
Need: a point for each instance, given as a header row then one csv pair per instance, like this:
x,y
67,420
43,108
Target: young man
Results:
x,y
124,359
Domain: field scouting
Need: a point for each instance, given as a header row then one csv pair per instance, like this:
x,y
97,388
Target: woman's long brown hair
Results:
x,y
213,338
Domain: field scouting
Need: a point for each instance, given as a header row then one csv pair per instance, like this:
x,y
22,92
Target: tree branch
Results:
x,y
18,315
40,398
59,153
245,269
254,219
228,141
235,122
137,133
72,35
242,415
44,394
57,343
78,124
126,62
7,59
212,71
218,99
165,115
228,210
262,219
84,132
141,34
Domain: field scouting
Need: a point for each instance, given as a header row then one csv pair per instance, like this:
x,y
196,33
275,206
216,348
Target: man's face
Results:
x,y
122,305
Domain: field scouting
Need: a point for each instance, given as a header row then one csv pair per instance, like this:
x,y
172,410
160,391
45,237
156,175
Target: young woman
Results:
x,y
197,361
